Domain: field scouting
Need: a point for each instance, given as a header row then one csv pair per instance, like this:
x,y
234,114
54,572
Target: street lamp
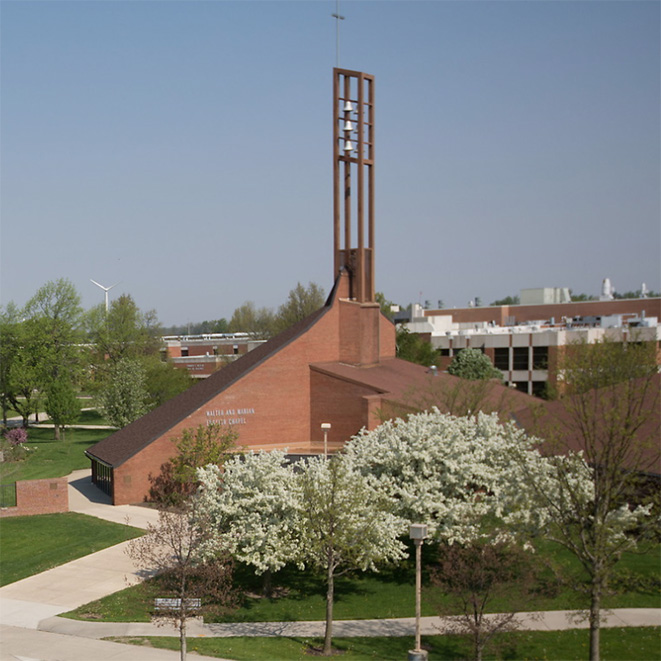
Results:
x,y
325,426
418,533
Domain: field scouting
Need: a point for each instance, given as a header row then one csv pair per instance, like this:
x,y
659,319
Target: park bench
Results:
x,y
174,605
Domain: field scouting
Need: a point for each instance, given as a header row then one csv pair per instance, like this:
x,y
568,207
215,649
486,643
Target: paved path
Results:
x,y
86,498
545,621
30,630
25,604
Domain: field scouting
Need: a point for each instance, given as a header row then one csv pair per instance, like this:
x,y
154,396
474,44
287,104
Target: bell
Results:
x,y
348,126
348,106
348,147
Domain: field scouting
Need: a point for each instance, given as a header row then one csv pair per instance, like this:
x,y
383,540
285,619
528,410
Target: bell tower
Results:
x,y
353,181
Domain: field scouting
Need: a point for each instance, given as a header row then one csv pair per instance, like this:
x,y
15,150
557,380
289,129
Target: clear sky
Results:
x,y
184,148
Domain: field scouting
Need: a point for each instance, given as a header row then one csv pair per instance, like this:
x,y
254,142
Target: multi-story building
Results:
x,y
202,355
525,341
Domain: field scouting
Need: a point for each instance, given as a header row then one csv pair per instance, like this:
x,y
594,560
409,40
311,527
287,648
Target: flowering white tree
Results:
x,y
345,524
450,473
253,507
318,513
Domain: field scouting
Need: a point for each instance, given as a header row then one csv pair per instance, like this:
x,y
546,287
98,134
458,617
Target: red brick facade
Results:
x,y
282,402
48,496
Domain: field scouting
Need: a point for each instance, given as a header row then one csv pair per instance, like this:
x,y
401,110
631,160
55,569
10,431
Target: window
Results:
x,y
184,352
501,358
521,386
520,358
540,358
539,388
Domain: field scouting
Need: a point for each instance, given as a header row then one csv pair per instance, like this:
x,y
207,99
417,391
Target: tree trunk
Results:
x,y
478,645
57,432
328,636
595,618
267,585
182,635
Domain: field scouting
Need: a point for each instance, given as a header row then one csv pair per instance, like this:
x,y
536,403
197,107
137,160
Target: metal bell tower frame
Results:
x,y
353,159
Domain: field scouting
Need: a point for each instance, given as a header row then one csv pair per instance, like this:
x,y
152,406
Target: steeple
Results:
x,y
353,180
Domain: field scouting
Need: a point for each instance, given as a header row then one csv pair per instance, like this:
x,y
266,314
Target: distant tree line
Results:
x,y
51,351
261,323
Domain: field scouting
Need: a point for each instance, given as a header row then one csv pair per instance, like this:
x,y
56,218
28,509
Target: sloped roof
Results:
x,y
557,425
125,443
411,385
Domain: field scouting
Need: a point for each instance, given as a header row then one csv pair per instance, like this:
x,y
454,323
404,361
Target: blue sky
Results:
x,y
185,148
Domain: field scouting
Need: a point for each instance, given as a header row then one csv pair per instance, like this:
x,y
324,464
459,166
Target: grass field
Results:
x,y
616,644
32,544
387,594
51,458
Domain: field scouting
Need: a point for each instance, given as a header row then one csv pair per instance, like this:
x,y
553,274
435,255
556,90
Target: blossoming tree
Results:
x,y
320,514
450,473
345,524
253,507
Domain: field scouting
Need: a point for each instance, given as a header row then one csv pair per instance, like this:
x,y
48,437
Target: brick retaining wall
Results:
x,y
39,497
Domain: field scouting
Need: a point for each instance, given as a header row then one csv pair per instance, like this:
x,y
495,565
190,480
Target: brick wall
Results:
x,y
280,403
39,497
268,405
341,403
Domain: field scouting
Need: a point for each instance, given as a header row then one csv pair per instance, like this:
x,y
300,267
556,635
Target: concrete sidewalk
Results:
x,y
26,602
18,644
86,498
543,621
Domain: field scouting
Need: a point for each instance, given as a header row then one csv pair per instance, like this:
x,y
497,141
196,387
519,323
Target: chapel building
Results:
x,y
337,367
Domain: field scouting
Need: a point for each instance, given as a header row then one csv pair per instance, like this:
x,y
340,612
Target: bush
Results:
x,y
13,444
16,436
210,444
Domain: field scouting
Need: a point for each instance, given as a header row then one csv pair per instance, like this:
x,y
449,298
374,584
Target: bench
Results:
x,y
174,605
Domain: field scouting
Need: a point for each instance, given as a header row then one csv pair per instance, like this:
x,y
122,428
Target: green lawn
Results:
x,y
32,544
91,417
51,458
387,594
616,645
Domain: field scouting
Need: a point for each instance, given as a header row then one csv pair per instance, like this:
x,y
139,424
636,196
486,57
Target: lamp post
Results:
x,y
418,533
325,426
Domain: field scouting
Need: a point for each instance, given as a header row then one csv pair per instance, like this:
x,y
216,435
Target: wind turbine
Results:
x,y
105,289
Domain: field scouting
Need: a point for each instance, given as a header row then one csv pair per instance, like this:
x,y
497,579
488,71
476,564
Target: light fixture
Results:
x,y
348,126
348,146
325,427
348,106
418,533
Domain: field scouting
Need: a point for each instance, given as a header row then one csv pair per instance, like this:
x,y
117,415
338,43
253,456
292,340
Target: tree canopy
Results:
x,y
415,349
474,365
252,503
301,302
609,413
